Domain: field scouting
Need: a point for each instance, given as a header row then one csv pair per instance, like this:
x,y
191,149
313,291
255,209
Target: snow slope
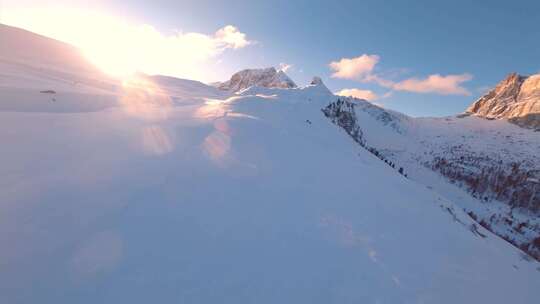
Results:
x,y
449,154
39,74
254,197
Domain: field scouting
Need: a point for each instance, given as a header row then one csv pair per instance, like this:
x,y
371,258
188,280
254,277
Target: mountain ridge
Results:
x,y
488,166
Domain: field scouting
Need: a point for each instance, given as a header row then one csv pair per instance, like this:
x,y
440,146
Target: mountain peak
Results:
x,y
267,77
316,81
516,98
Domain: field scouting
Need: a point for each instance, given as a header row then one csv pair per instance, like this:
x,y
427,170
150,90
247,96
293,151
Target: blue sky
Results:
x,y
478,42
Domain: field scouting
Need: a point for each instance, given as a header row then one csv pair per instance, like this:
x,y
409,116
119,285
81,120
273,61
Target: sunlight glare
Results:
x,y
144,99
121,47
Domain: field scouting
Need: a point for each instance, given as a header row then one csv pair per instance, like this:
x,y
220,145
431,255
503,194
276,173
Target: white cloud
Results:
x,y
285,67
122,47
354,68
383,82
445,85
361,68
362,94
230,36
484,89
388,94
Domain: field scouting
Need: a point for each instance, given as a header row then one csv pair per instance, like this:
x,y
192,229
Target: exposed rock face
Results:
x,y
516,98
269,78
316,81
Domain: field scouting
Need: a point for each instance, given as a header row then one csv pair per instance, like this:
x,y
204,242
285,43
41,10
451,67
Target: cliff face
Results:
x,y
516,98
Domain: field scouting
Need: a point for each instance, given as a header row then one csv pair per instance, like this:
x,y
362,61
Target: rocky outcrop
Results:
x,y
268,78
516,98
316,81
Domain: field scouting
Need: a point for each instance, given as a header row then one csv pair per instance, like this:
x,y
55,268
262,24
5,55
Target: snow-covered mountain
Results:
x,y
268,78
488,167
155,189
516,98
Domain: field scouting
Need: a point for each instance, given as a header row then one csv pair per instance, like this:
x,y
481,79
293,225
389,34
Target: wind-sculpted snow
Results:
x,y
254,197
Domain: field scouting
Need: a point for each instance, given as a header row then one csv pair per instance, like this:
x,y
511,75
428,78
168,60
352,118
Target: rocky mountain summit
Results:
x,y
268,78
316,81
516,98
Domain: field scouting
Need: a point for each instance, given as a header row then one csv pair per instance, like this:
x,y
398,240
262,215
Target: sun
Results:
x,y
111,44
111,53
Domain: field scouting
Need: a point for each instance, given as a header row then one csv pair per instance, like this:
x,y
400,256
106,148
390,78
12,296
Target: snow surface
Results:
x,y
148,191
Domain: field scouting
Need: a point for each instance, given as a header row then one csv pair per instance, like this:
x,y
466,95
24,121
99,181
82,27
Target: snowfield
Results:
x,y
164,190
